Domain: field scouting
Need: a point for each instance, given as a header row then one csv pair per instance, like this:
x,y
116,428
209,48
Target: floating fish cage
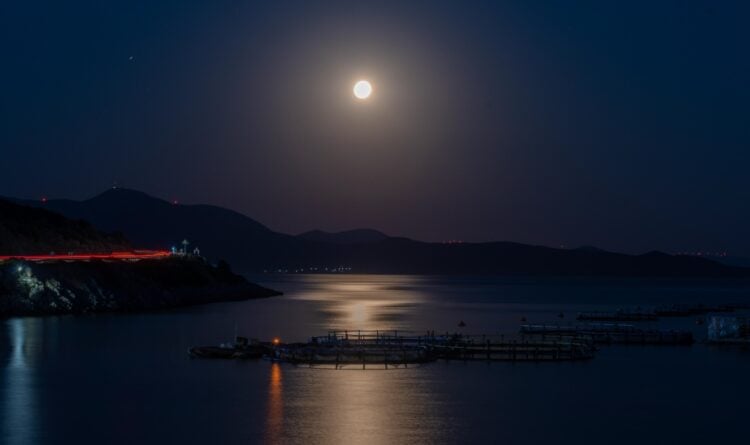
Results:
x,y
482,348
361,348
393,338
364,356
606,333
686,310
619,315
395,349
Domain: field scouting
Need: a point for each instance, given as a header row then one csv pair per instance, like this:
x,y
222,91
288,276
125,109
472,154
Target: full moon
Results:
x,y
362,89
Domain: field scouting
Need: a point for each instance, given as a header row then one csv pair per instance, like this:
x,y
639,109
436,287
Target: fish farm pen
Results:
x,y
381,349
602,333
363,356
686,310
669,310
616,316
339,349
524,349
392,349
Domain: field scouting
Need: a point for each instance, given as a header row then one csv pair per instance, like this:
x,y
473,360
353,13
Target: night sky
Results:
x,y
623,125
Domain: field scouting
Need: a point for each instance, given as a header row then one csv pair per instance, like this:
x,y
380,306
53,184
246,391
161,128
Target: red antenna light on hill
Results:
x,y
44,199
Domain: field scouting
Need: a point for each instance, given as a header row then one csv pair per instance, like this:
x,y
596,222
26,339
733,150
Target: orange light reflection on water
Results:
x,y
370,407
275,415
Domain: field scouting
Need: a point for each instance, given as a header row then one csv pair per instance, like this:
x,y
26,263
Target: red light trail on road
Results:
x,y
124,255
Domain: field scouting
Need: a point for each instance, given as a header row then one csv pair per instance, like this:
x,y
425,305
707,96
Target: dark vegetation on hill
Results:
x,y
57,287
25,230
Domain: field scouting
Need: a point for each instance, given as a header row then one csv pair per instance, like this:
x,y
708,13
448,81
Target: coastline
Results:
x,y
31,289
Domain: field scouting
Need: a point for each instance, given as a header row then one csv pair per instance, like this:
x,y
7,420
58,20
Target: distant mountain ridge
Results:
x,y
148,219
156,223
252,247
356,236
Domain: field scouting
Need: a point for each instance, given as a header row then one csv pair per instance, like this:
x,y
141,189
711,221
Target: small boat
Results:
x,y
241,348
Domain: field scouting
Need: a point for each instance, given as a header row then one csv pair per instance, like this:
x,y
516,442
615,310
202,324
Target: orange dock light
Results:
x,y
276,341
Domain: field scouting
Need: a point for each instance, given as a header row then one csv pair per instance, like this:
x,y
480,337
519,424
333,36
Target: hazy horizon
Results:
x,y
325,230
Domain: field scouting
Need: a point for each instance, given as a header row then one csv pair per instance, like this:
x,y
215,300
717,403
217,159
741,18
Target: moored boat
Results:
x,y
241,348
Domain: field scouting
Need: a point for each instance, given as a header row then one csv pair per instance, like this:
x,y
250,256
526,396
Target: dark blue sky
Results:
x,y
618,124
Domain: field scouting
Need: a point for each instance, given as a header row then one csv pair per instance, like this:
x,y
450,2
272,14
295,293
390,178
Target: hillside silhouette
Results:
x,y
251,247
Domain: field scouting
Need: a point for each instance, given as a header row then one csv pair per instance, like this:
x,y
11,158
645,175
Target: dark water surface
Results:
x,y
127,379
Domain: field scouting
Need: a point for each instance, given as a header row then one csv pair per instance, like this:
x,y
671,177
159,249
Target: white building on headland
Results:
x,y
728,329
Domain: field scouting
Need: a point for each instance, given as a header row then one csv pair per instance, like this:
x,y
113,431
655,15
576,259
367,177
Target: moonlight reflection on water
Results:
x,y
370,303
20,405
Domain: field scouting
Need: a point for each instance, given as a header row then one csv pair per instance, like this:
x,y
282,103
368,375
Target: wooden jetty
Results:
x,y
605,333
618,315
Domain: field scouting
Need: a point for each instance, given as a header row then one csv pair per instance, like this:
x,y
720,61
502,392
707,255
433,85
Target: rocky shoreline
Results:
x,y
33,288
